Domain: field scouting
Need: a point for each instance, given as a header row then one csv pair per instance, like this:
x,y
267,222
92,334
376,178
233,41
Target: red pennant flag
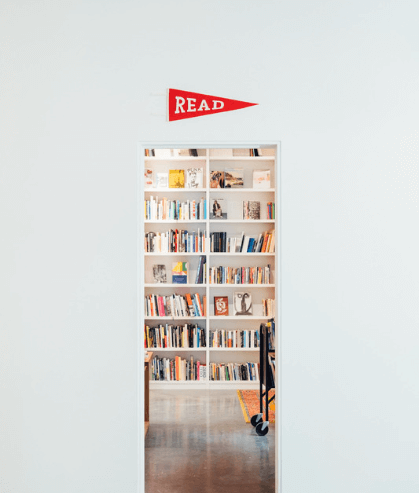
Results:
x,y
185,104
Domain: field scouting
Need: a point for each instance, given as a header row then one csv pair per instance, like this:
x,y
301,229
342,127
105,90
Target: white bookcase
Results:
x,y
234,224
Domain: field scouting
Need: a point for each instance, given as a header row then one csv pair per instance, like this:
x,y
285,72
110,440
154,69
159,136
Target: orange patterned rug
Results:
x,y
249,401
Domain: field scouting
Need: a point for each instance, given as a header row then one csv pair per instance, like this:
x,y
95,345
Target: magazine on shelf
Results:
x,y
217,210
176,178
261,178
220,305
180,272
217,179
194,178
251,209
162,180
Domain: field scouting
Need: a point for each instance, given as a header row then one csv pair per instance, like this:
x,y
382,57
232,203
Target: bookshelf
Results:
x,y
234,226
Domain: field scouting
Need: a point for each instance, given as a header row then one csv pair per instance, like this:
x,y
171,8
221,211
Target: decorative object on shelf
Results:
x,y
176,178
217,179
194,178
233,178
159,273
251,209
148,178
261,178
242,303
221,305
217,209
180,272
162,180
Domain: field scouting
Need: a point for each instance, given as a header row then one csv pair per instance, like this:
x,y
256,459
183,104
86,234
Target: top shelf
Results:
x,y
175,158
210,158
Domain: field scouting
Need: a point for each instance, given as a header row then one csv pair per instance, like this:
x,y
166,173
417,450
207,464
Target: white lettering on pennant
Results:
x,y
179,105
203,106
215,107
191,106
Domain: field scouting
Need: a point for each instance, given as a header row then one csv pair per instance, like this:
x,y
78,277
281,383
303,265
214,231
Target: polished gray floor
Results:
x,y
198,442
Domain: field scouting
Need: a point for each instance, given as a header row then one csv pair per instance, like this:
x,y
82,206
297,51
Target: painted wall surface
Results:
x,y
336,82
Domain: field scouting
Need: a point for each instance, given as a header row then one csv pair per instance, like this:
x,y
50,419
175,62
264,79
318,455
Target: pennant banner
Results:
x,y
185,104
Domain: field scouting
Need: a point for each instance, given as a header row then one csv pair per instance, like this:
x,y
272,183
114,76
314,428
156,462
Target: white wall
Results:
x,y
337,84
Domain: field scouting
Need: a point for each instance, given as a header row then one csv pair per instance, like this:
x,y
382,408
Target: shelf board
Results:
x,y
238,254
175,190
176,158
176,221
242,158
234,381
175,349
238,317
174,318
167,285
171,254
241,286
179,382
242,190
242,221
242,349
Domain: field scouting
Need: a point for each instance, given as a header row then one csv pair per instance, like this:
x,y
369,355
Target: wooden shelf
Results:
x,y
175,158
242,190
241,349
174,318
239,254
241,221
238,317
242,158
175,190
171,254
176,349
175,221
242,286
167,285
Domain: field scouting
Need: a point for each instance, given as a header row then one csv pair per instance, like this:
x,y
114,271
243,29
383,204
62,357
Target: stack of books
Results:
x,y
234,339
177,369
174,209
175,241
174,336
175,305
264,243
234,371
240,275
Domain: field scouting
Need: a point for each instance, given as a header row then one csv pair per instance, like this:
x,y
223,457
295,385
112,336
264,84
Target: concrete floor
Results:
x,y
198,442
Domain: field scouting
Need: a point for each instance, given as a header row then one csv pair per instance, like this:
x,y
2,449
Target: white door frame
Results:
x,y
140,291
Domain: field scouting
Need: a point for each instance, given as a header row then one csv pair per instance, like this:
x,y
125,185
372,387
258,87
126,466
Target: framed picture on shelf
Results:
x,y
221,305
218,209
194,178
148,177
217,179
242,304
159,273
233,178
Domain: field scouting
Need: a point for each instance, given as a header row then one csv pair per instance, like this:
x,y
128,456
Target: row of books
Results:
x,y
270,213
234,338
174,209
167,153
240,275
175,178
264,243
174,336
268,307
201,273
177,369
175,241
234,371
175,305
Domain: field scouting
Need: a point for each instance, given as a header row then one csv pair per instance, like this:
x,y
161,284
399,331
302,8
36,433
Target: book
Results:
x,y
159,273
162,180
176,178
217,210
194,178
242,304
180,272
261,178
251,209
233,178
148,177
220,305
217,179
